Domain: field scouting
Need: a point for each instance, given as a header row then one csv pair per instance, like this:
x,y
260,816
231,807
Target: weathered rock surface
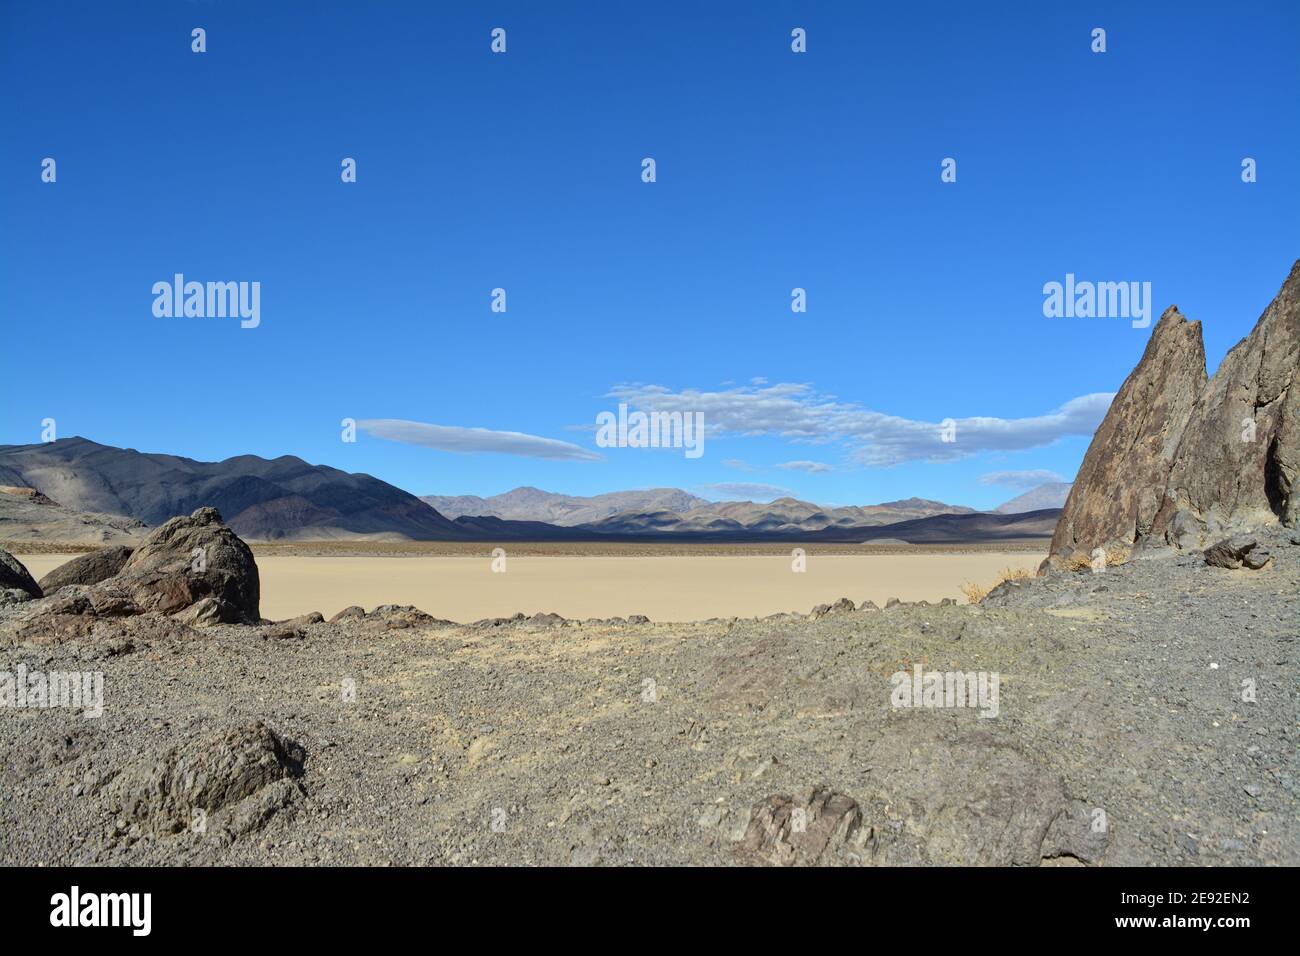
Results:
x,y
292,629
1240,551
13,576
814,827
87,568
206,774
1239,459
1181,459
188,559
1120,485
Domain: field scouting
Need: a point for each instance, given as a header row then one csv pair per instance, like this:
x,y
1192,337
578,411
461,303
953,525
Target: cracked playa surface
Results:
x,y
539,741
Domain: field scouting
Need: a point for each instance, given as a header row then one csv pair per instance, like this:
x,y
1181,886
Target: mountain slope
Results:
x,y
260,499
288,499
26,515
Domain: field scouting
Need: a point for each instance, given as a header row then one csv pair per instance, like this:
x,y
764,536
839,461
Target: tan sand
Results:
x,y
662,588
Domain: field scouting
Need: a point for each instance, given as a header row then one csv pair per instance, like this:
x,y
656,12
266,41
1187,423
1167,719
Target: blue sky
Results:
x,y
522,171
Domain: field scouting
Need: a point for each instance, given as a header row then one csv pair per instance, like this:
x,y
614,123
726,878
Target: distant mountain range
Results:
x,y
671,510
59,489
533,504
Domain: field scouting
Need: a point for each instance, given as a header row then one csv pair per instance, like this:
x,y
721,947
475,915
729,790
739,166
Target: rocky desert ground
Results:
x,y
1123,734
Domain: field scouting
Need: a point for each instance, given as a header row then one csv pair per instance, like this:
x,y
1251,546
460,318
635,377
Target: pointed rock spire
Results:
x,y
1180,459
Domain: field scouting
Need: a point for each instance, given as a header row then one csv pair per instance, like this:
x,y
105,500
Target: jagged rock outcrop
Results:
x,y
15,577
1182,459
1120,484
1238,464
87,568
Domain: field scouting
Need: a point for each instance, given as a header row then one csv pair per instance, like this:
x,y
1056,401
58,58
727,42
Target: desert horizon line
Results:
x,y
718,493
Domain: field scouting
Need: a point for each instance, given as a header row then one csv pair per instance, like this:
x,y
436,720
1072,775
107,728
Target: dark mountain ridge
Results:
x,y
261,498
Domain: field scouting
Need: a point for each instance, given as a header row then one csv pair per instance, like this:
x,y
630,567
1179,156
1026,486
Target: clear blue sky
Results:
x,y
523,171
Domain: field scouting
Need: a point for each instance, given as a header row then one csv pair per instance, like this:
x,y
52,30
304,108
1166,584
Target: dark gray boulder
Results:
x,y
205,775
188,559
1240,551
87,568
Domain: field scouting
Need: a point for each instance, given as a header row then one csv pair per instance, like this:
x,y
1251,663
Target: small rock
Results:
x,y
710,817
1232,553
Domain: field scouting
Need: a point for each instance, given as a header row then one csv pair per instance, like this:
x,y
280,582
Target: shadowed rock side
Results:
x,y
15,577
1239,459
1184,460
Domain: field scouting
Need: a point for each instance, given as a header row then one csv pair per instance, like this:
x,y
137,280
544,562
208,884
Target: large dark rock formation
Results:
x,y
1184,460
1239,460
188,560
193,568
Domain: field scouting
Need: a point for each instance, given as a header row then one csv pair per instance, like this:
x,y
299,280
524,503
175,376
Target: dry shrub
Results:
x,y
1080,561
974,593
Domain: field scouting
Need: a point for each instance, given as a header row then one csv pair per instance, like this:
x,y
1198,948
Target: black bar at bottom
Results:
x,y
338,905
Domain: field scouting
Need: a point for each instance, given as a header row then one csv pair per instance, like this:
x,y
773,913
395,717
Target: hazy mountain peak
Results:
x,y
1049,495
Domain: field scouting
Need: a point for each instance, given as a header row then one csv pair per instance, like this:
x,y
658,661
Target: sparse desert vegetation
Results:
x,y
976,593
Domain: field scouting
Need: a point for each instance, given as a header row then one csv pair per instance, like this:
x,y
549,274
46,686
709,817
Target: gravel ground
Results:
x,y
1121,738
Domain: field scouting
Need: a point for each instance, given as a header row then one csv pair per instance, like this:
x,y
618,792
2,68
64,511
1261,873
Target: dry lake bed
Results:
x,y
678,587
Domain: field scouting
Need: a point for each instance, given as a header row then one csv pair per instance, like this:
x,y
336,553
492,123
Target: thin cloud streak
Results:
x,y
455,438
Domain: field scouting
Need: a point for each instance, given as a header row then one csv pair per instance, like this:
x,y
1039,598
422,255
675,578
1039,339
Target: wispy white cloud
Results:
x,y
744,491
474,440
738,464
1021,479
811,467
798,413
